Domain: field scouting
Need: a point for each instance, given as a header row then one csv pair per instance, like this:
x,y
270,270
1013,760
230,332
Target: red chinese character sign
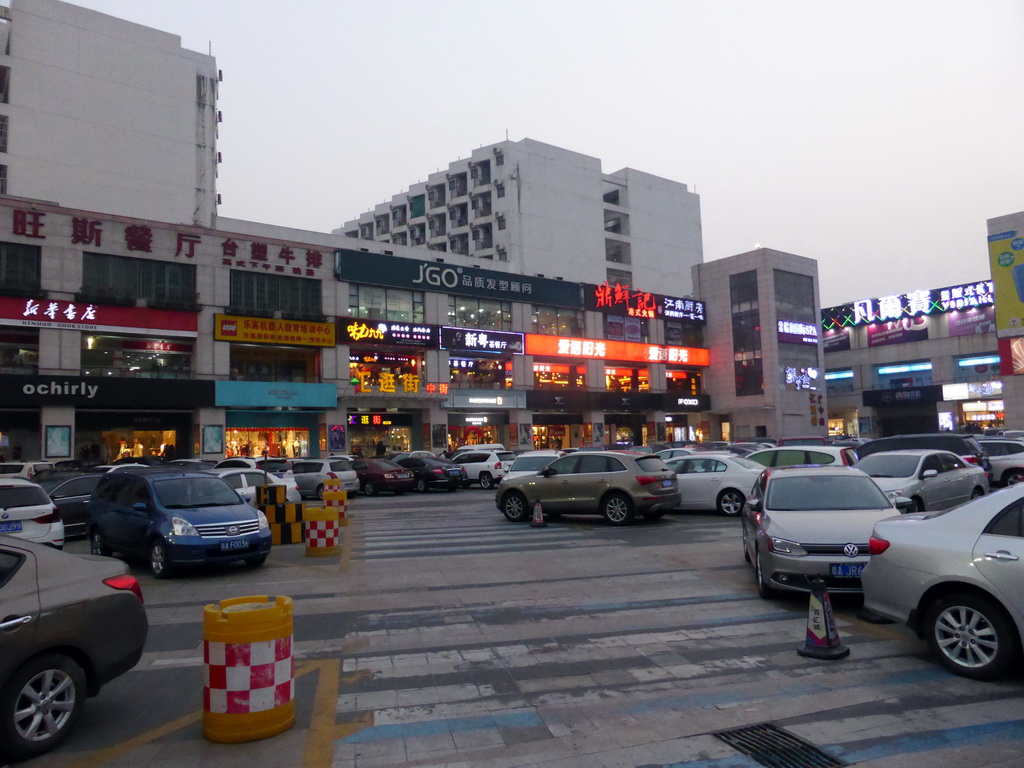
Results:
x,y
621,299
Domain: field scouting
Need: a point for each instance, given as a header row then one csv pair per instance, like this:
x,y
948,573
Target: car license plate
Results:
x,y
234,544
847,570
10,527
454,472
666,483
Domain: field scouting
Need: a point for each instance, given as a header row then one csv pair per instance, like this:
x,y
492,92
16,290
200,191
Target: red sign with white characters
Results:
x,y
81,315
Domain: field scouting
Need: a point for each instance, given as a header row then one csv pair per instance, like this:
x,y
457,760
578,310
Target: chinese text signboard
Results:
x,y
897,307
61,313
621,299
629,351
352,330
266,330
476,340
797,333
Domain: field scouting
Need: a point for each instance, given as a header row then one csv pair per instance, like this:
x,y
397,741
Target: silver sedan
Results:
x,y
931,479
720,481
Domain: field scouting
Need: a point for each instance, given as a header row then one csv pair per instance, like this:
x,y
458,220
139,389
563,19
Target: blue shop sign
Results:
x,y
275,394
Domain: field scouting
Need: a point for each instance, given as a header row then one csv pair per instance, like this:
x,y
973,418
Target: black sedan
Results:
x,y
70,492
434,473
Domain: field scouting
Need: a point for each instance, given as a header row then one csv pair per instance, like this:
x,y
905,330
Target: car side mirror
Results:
x,y
929,473
140,506
905,505
754,504
548,471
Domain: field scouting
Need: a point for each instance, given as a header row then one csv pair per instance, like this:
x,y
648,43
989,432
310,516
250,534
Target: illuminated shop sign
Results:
x,y
386,419
353,330
475,340
621,299
800,378
509,398
973,390
269,330
40,312
797,333
630,351
955,298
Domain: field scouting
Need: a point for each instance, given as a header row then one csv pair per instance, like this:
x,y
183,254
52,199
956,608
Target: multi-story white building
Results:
x,y
102,114
548,212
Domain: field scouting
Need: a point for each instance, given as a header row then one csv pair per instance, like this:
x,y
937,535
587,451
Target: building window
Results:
x,y
553,321
499,158
251,362
3,179
19,266
558,376
746,333
5,83
684,382
299,296
3,133
19,351
794,297
393,304
627,380
681,334
619,276
136,357
499,189
622,328
469,312
124,280
471,373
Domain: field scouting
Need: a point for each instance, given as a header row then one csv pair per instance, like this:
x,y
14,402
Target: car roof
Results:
x,y
910,452
800,470
12,480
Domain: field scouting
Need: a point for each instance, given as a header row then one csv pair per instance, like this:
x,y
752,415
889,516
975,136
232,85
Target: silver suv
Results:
x,y
310,475
486,467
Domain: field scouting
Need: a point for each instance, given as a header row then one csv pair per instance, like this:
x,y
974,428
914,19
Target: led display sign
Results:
x,y
353,330
602,349
797,333
955,298
621,299
475,340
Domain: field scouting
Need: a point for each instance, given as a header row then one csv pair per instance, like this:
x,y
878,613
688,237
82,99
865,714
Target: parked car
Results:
x,y
673,453
480,447
310,475
197,464
70,492
376,475
433,473
408,454
175,518
248,481
531,462
485,466
615,484
28,513
720,481
801,455
803,440
964,446
802,522
652,448
272,464
1006,455
931,479
24,468
70,625
955,578
149,461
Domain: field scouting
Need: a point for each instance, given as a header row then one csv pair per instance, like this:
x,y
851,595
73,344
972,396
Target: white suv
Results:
x,y
24,468
485,467
28,513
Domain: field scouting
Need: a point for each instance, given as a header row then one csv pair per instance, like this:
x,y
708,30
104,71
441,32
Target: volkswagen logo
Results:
x,y
233,531
850,550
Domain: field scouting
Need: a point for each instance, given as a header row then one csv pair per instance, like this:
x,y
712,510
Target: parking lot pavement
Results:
x,y
444,635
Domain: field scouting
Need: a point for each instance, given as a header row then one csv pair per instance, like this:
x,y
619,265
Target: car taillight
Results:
x,y
126,582
647,479
437,471
497,465
877,546
389,475
52,517
971,459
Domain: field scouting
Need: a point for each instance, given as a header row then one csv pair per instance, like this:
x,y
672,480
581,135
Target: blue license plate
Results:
x,y
10,527
667,483
847,570
226,546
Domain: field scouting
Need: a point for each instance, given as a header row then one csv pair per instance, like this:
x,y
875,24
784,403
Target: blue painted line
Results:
x,y
447,725
967,735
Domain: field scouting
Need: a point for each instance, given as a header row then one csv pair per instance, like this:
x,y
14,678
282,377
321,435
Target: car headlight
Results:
x,y
785,547
183,527
264,524
894,493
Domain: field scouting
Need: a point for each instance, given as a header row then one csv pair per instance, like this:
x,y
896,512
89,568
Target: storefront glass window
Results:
x,y
19,352
627,380
684,382
253,291
126,279
553,321
555,376
480,374
136,358
680,334
384,372
252,363
392,304
258,441
19,266
619,328
379,434
479,313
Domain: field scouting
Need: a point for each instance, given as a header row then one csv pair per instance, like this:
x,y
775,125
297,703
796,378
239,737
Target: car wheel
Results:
x,y
763,588
971,635
730,502
617,509
421,485
96,545
256,561
918,504
320,491
514,507
159,562
40,704
977,493
1013,476
486,481
369,488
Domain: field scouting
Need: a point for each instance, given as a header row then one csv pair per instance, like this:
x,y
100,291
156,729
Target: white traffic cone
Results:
x,y
538,517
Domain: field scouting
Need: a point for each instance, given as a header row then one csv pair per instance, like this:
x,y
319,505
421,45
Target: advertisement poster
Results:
x,y
1006,259
981,320
836,340
898,331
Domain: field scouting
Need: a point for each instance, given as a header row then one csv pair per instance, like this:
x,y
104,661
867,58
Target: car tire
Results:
x,y
486,481
617,509
977,493
370,489
971,635
96,545
159,562
256,560
49,679
730,502
421,485
764,590
514,507
320,492
918,504
1013,476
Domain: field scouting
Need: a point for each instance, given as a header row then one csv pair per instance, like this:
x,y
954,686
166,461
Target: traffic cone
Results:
x,y
538,517
822,638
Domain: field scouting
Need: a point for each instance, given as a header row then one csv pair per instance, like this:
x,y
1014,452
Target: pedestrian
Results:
x,y
381,449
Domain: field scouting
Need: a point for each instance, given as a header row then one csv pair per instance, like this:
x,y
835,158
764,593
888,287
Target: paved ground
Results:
x,y
444,636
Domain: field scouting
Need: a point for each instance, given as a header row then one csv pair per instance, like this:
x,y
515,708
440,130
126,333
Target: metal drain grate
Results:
x,y
774,747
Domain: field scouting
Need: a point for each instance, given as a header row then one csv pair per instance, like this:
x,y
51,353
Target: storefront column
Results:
x,y
656,427
57,432
59,352
520,429
438,425
596,380
656,377
522,371
593,423
210,423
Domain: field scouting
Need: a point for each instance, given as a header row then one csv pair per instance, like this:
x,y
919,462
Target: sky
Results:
x,y
876,136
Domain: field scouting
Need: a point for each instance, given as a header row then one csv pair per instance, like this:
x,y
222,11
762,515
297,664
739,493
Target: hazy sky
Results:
x,y
875,136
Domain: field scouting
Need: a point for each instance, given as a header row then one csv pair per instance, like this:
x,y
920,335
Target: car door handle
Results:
x,y
1001,555
16,621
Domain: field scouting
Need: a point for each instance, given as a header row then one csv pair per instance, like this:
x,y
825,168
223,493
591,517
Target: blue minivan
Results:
x,y
175,517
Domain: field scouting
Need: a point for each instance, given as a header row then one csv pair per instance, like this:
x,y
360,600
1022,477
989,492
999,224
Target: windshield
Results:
x,y
888,465
831,492
531,463
192,492
651,463
747,463
505,456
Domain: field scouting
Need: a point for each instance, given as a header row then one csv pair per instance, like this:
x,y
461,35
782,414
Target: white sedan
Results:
x,y
246,481
721,481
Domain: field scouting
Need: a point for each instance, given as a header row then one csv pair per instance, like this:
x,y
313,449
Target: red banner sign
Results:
x,y
78,315
603,349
